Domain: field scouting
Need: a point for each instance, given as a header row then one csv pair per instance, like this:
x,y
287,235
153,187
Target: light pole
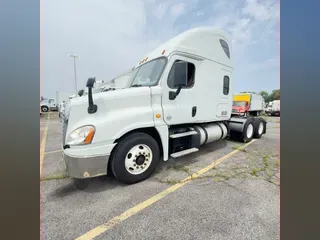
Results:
x,y
75,70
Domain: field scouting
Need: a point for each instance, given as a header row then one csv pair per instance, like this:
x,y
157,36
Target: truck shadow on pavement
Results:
x,y
93,185
163,170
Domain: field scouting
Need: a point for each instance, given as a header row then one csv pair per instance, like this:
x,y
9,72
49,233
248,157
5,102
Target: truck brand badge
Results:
x,y
224,113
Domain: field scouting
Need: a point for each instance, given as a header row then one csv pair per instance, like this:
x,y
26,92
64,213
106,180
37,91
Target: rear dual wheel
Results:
x,y
248,131
259,127
253,128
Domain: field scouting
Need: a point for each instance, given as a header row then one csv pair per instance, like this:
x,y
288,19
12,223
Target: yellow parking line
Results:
x,y
43,143
130,212
56,151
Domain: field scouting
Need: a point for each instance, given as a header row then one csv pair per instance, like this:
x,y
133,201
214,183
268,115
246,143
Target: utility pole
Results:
x,y
75,71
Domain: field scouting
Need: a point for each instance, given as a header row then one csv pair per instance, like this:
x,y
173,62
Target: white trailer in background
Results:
x,y
122,80
179,98
273,108
62,98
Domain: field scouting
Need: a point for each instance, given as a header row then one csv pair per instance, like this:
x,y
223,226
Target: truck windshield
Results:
x,y
240,104
148,74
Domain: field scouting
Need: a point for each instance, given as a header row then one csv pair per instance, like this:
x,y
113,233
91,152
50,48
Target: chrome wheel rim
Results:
x,y
138,159
261,126
249,132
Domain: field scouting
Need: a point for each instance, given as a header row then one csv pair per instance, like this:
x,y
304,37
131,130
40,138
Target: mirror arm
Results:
x,y
173,95
178,90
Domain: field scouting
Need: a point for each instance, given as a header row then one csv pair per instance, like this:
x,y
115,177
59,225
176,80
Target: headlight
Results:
x,y
81,136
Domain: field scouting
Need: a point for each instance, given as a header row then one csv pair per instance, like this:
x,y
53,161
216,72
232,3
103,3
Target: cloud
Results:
x,y
177,9
258,10
160,10
199,13
112,36
109,38
263,65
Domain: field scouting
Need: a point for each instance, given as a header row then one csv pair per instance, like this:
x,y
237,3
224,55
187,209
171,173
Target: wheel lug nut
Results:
x,y
145,164
134,165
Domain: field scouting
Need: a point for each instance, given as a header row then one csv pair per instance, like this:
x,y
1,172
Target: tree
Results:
x,y
265,95
275,95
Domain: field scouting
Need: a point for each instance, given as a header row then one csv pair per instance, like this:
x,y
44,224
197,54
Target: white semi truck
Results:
x,y
179,98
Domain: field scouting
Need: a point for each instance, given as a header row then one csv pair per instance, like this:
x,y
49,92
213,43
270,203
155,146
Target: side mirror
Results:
x,y
92,107
81,92
179,73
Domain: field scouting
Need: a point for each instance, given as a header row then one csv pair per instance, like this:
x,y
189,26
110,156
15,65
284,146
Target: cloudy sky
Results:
x,y
112,36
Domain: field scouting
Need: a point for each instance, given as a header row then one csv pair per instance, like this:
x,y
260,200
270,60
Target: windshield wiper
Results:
x,y
136,85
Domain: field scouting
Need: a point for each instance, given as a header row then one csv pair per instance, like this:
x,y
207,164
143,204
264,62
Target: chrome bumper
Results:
x,y
86,167
87,161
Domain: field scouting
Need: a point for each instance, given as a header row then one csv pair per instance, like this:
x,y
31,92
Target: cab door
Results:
x,y
180,107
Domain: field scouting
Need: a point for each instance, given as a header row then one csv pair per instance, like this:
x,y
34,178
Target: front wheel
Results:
x,y
44,109
135,158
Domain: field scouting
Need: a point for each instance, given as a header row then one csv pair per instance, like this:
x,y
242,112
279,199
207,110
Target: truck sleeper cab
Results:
x,y
180,98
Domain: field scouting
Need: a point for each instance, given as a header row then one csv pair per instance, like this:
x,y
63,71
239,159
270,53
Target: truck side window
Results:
x,y
190,72
226,85
225,47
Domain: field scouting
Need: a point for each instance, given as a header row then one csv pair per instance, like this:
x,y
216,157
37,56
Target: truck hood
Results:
x,y
112,105
105,100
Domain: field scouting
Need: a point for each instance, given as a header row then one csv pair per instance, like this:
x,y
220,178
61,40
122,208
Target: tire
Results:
x,y
44,109
248,130
259,125
131,149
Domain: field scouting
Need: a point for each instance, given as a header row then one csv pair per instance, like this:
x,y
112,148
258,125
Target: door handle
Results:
x,y
194,111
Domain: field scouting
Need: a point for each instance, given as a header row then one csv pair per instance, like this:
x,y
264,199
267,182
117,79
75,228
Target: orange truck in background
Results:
x,y
248,104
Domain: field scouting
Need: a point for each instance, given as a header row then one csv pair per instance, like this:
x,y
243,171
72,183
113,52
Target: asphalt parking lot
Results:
x,y
237,198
